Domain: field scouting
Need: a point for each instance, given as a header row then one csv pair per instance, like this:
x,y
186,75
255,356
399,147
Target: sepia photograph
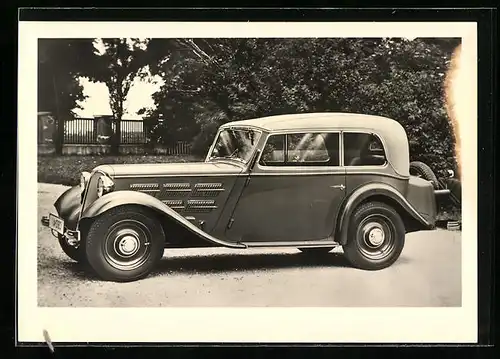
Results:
x,y
230,168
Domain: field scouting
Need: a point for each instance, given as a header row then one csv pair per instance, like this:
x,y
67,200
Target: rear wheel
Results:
x,y
420,169
124,244
376,236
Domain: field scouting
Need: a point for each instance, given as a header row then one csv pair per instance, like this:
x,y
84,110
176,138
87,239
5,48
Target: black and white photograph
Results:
x,y
246,181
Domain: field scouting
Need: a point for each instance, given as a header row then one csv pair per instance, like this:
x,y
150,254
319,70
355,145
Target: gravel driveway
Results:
x,y
427,274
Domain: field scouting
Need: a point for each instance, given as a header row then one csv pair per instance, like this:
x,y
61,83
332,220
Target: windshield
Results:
x,y
236,144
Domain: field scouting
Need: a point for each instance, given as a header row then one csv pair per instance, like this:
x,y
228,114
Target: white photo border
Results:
x,y
263,325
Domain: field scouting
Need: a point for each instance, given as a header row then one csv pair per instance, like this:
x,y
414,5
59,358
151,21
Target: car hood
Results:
x,y
159,169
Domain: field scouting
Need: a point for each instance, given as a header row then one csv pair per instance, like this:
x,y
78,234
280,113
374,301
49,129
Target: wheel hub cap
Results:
x,y
376,236
128,245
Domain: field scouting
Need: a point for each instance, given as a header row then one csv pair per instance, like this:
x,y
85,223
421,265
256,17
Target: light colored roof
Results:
x,y
320,120
392,134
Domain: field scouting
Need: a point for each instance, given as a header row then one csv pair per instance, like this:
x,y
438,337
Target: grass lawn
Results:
x,y
66,170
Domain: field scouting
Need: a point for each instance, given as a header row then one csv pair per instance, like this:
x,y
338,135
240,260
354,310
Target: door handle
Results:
x,y
340,186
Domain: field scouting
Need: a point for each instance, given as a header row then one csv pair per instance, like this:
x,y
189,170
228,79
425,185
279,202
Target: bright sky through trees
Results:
x,y
97,102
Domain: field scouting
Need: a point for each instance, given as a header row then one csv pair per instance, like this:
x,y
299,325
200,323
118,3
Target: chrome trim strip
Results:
x,y
181,185
209,189
298,173
181,175
147,185
341,149
382,174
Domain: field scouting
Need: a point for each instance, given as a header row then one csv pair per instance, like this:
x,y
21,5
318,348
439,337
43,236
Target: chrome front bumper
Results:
x,y
71,237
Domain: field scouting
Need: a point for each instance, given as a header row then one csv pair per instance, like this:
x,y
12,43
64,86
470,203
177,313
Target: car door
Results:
x,y
293,192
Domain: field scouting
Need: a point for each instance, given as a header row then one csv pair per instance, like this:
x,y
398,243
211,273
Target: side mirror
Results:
x,y
253,160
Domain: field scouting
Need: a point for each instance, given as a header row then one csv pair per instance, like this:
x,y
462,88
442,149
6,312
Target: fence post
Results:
x,y
115,147
94,130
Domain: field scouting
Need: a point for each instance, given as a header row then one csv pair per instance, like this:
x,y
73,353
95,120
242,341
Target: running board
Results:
x,y
302,244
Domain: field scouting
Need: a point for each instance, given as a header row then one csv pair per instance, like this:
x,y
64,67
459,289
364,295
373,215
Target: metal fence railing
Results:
x,y
179,148
92,131
132,132
80,131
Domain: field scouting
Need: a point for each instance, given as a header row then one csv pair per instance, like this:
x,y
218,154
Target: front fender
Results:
x,y
371,190
120,198
68,206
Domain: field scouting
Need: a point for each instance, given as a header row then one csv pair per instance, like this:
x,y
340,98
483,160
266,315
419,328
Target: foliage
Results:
x,y
60,63
117,66
208,82
66,170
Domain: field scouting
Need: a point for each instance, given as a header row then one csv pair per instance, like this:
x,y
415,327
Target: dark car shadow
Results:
x,y
225,263
221,263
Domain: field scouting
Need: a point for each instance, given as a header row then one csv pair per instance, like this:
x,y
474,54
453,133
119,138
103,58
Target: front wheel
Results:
x,y
124,244
75,253
376,236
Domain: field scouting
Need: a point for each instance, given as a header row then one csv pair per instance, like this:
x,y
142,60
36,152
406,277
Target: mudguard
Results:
x,y
120,198
369,190
68,206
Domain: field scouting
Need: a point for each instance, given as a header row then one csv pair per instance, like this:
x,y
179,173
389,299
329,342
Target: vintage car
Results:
x,y
309,181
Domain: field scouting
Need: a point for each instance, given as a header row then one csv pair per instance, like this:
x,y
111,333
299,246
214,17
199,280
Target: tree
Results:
x,y
212,81
60,63
117,63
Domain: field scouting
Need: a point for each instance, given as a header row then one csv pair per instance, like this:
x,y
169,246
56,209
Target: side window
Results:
x,y
302,149
274,151
363,149
306,148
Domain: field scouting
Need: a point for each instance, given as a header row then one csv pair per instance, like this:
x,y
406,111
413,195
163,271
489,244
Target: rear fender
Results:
x,y
121,198
384,193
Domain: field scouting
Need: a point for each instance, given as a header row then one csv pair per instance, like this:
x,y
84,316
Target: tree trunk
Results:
x,y
59,138
117,139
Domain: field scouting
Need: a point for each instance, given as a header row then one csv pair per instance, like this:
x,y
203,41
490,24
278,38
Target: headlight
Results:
x,y
104,185
84,179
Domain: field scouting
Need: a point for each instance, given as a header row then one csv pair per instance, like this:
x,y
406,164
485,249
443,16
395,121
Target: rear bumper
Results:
x,y
442,192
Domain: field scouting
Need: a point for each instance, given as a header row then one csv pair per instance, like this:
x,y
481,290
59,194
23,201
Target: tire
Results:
x,y
315,250
76,254
110,235
420,169
381,251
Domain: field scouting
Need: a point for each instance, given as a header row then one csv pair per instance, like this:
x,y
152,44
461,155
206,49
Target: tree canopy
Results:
x,y
60,63
211,81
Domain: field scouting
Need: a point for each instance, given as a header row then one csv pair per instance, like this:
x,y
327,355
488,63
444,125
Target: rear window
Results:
x,y
363,149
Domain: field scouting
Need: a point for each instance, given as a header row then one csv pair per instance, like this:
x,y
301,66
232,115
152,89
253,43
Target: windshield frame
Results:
x,y
239,160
